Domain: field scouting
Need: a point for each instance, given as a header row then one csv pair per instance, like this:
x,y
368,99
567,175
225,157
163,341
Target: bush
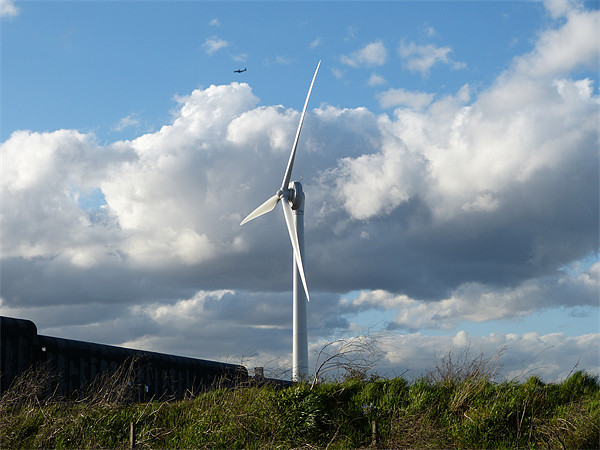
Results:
x,y
473,412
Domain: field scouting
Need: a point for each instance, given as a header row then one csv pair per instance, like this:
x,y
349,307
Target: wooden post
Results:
x,y
374,434
132,435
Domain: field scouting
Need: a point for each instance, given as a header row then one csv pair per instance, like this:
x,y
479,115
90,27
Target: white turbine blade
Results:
x,y
290,164
291,226
263,209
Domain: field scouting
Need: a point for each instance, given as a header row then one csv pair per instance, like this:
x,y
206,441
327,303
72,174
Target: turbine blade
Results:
x,y
291,226
263,209
290,164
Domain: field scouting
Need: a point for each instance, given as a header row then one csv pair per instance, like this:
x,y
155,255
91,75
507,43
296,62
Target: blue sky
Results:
x,y
449,157
132,57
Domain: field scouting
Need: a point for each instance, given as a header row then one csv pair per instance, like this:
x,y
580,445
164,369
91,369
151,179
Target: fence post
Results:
x,y
132,435
374,434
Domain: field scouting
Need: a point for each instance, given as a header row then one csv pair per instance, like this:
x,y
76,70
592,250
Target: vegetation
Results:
x,y
457,406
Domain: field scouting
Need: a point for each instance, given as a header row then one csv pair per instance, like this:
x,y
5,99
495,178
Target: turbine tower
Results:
x,y
293,210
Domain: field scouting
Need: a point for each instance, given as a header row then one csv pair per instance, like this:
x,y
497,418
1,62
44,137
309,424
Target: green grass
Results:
x,y
467,413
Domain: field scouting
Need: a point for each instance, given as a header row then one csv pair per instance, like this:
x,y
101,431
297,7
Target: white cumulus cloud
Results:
x,y
402,97
552,357
421,58
214,44
448,209
376,80
372,54
8,8
477,302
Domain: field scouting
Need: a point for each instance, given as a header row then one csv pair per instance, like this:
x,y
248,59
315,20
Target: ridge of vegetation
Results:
x,y
458,406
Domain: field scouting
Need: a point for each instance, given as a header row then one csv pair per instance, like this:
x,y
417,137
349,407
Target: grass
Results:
x,y
467,411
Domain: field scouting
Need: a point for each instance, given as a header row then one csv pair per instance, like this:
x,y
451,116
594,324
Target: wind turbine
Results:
x,y
293,210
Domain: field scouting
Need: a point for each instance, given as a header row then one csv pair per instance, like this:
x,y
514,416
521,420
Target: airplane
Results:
x,y
240,71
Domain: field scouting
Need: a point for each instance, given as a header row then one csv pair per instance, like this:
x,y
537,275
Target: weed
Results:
x,y
451,411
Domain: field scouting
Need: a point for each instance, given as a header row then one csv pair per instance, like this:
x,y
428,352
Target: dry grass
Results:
x,y
35,387
112,388
460,405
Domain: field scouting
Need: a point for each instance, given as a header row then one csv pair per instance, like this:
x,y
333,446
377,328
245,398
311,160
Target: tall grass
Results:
x,y
443,410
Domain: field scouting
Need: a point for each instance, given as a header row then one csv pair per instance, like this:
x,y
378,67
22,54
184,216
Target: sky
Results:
x,y
449,158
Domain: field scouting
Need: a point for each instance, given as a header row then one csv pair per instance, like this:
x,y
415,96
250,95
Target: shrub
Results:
x,y
455,411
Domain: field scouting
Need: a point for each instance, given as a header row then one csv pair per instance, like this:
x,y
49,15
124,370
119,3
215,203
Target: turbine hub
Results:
x,y
295,194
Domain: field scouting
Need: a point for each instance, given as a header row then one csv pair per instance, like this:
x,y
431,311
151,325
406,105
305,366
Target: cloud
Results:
x,y
214,44
477,153
376,80
402,97
421,58
469,169
372,54
561,8
131,120
8,8
350,33
215,22
282,60
337,73
315,43
244,328
562,50
463,207
551,356
477,302
500,188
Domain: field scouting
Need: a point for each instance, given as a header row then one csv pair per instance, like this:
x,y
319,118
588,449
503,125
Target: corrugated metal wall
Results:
x,y
78,363
18,344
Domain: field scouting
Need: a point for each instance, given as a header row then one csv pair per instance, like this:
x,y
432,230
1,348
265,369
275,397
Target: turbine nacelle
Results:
x,y
295,195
